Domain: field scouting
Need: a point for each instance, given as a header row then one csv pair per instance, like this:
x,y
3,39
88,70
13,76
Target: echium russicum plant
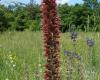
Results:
x,y
50,28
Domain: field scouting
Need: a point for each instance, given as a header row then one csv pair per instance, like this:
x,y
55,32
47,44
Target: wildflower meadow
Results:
x,y
52,50
22,56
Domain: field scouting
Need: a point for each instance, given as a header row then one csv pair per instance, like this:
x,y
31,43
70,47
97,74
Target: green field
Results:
x,y
22,56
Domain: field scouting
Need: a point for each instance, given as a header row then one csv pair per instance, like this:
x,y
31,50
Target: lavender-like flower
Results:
x,y
71,65
76,56
73,55
90,42
67,53
91,55
73,36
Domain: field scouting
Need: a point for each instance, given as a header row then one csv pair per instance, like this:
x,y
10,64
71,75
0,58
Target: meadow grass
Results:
x,y
22,56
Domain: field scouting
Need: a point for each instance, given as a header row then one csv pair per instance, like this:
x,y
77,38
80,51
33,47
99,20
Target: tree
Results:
x,y
95,7
66,19
6,17
91,3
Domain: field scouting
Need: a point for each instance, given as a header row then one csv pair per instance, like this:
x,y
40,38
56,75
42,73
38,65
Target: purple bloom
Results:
x,y
73,35
67,53
76,56
90,42
73,55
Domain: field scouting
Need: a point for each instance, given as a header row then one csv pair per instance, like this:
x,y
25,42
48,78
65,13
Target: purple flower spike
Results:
x,y
90,42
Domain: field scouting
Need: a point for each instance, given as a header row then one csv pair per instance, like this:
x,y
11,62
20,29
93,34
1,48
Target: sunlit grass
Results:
x,y
22,57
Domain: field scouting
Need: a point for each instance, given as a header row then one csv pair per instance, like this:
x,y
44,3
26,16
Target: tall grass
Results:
x,y
22,56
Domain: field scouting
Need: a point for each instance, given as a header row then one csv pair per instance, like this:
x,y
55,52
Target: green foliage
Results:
x,y
79,15
4,18
19,16
33,25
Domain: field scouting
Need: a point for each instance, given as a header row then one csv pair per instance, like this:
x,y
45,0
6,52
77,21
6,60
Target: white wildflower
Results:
x,y
14,65
6,79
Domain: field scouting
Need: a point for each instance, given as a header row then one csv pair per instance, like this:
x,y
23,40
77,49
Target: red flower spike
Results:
x,y
50,27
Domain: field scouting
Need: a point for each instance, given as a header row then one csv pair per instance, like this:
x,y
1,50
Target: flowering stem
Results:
x,y
50,28
69,68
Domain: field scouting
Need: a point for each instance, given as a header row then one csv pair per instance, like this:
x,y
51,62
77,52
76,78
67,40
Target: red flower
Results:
x,y
50,28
